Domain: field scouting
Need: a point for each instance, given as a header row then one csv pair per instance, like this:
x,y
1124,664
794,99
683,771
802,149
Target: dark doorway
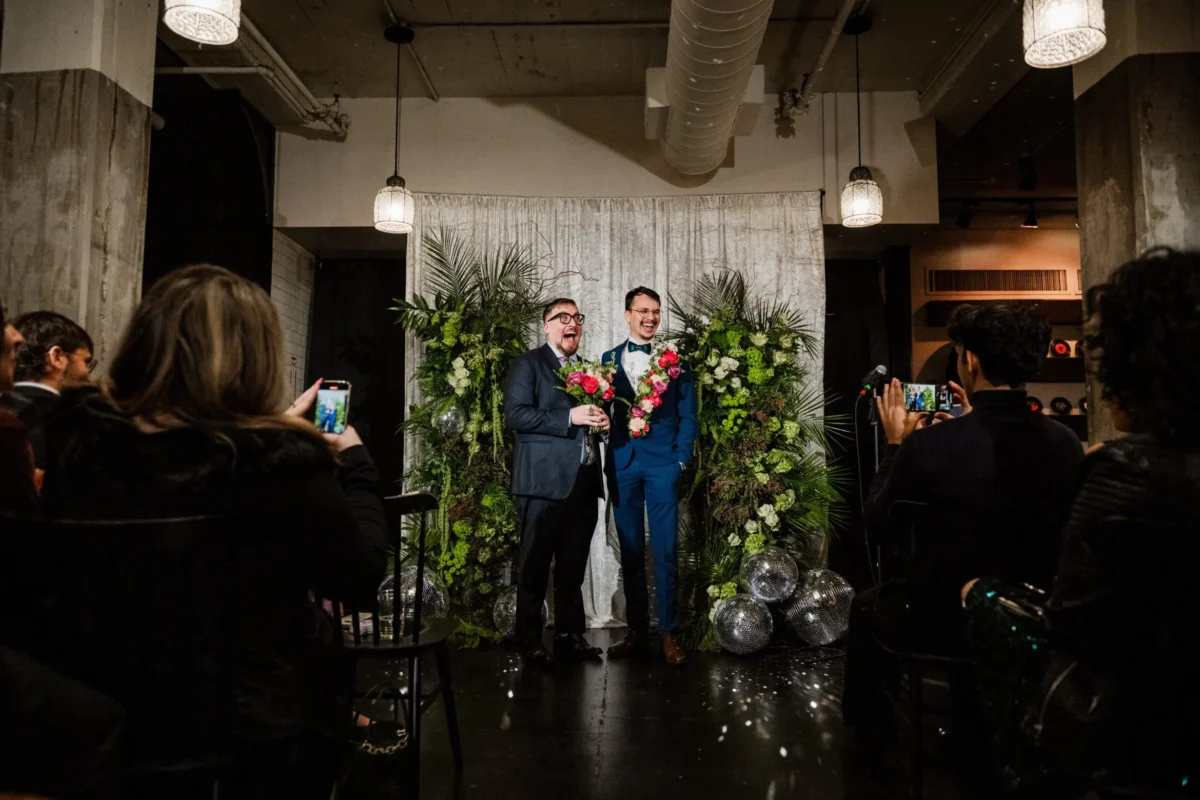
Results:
x,y
855,341
212,178
355,337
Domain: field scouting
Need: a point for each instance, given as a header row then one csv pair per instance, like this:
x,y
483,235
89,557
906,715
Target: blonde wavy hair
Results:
x,y
204,350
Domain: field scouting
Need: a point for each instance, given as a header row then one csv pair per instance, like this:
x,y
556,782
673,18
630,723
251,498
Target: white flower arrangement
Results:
x,y
734,540
460,378
767,512
781,357
751,526
786,343
758,339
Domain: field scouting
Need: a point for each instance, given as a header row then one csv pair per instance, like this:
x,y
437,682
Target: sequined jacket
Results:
x,y
1104,669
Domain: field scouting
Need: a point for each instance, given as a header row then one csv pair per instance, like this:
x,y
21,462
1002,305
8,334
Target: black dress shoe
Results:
x,y
573,646
537,657
634,644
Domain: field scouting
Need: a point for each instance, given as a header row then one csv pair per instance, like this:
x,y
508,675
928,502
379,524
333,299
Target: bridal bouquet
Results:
x,y
589,382
664,367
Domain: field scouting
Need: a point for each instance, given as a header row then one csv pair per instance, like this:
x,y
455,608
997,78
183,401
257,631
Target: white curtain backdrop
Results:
x,y
602,247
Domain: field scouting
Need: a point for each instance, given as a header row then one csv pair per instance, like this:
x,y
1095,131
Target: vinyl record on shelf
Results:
x,y
1060,349
1060,405
1083,404
1080,348
1035,405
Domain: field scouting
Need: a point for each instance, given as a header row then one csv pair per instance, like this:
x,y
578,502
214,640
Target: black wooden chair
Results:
x,y
407,641
144,611
907,696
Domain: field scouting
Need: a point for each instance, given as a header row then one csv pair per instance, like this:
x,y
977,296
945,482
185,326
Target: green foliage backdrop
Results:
x,y
762,476
479,318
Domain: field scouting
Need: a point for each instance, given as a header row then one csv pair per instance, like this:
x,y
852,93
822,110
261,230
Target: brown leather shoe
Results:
x,y
633,645
673,651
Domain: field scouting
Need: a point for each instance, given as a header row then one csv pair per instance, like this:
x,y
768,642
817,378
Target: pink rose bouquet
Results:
x,y
664,368
589,382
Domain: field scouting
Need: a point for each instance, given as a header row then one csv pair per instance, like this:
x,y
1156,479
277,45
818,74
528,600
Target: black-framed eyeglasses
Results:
x,y
565,318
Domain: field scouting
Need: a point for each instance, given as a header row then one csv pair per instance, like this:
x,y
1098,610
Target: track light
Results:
x,y
1031,220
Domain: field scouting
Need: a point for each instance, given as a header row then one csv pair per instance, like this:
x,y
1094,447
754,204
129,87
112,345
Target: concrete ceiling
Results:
x,y
502,48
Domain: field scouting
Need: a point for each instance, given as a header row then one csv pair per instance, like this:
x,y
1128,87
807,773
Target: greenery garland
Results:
x,y
762,477
479,319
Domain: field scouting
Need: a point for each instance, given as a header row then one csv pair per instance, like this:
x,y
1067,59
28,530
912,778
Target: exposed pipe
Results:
x,y
839,22
583,23
412,51
711,51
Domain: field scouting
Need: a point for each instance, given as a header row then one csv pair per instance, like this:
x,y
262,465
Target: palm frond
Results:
x,y
451,264
720,294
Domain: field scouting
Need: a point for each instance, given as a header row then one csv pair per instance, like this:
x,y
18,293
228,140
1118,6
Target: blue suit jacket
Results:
x,y
672,425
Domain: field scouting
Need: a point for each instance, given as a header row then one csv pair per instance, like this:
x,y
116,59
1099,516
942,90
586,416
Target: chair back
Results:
x,y
144,611
366,626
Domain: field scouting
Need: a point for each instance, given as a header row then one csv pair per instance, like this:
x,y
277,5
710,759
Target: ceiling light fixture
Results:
x,y
204,21
862,201
394,202
1031,219
1059,33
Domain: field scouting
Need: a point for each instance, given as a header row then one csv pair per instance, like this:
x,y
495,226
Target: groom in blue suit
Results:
x,y
643,474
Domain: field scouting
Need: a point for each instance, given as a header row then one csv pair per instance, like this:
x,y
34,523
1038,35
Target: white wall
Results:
x,y
113,37
292,269
595,147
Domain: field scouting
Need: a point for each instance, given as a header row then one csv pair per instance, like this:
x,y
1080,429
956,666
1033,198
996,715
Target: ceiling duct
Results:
x,y
710,57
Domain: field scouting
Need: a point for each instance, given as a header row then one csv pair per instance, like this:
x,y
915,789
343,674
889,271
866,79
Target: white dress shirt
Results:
x,y
636,363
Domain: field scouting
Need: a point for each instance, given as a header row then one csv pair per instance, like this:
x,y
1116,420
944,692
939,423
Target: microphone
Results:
x,y
872,379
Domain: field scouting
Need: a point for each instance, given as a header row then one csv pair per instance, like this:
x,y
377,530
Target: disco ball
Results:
x,y
504,613
451,421
770,574
742,625
819,612
435,600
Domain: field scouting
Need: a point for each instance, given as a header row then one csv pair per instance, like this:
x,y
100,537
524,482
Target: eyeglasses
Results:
x,y
648,312
564,318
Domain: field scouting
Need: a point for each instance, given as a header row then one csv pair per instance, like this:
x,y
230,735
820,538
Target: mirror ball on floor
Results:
x,y
770,574
819,612
435,601
742,625
504,612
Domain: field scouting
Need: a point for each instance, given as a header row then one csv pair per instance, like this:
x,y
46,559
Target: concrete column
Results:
x,y
1137,129
76,78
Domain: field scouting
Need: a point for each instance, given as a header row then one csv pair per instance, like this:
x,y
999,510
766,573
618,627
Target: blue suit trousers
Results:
x,y
648,492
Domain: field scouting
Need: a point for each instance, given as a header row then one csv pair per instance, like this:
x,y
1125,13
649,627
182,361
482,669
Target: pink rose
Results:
x,y
637,425
673,372
575,379
638,411
664,362
659,387
589,384
671,357
656,399
609,393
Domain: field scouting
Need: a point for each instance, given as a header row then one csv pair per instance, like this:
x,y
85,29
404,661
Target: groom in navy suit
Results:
x,y
643,474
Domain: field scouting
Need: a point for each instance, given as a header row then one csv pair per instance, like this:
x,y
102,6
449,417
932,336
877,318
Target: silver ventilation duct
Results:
x,y
710,55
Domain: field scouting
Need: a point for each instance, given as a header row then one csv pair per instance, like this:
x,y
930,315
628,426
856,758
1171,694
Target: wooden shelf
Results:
x,y
1057,312
1061,370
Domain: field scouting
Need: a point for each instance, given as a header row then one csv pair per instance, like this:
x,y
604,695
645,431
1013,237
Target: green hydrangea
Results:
x,y
791,429
774,424
754,357
733,337
462,528
755,542
729,590
452,329
785,501
757,375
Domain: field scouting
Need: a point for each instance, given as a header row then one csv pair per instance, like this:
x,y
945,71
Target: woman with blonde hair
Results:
x,y
193,420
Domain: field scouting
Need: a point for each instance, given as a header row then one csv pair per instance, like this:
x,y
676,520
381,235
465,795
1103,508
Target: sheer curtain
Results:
x,y
601,247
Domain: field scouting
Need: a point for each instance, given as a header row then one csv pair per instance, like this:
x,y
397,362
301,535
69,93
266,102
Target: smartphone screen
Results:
x,y
945,399
920,396
333,406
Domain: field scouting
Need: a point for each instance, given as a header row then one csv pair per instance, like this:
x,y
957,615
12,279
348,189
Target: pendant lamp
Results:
x,y
1059,33
862,201
204,21
394,202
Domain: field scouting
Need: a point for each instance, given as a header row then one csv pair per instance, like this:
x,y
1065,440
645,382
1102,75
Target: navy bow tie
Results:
x,y
639,348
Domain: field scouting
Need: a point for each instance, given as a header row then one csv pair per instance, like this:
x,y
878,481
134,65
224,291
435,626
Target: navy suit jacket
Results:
x,y
549,448
672,425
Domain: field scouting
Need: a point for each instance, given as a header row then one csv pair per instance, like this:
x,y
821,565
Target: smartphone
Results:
x,y
928,397
333,406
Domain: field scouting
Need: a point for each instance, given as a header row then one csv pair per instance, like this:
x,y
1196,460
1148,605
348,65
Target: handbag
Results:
x,y
375,765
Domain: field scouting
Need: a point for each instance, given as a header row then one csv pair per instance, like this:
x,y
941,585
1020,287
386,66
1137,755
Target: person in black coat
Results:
x,y
1111,693
192,422
557,481
997,481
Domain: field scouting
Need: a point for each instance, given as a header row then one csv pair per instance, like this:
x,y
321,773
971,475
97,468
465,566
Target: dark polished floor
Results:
x,y
722,727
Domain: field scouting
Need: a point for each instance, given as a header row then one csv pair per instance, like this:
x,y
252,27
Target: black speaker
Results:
x,y
1060,349
1035,405
1061,405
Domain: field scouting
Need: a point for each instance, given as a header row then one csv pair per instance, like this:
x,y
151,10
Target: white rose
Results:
x,y
706,379
766,509
751,526
786,343
720,373
458,363
782,357
735,382
758,339
728,363
734,540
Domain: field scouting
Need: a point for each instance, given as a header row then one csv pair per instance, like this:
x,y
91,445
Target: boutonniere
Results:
x,y
664,367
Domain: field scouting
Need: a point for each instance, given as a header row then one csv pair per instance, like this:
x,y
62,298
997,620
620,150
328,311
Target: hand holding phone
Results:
x,y
332,408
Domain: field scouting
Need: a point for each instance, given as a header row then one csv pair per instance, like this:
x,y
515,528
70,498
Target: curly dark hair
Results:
x,y
1147,342
1010,339
43,331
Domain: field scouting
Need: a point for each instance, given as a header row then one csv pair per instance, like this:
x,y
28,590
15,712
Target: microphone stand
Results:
x,y
873,418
